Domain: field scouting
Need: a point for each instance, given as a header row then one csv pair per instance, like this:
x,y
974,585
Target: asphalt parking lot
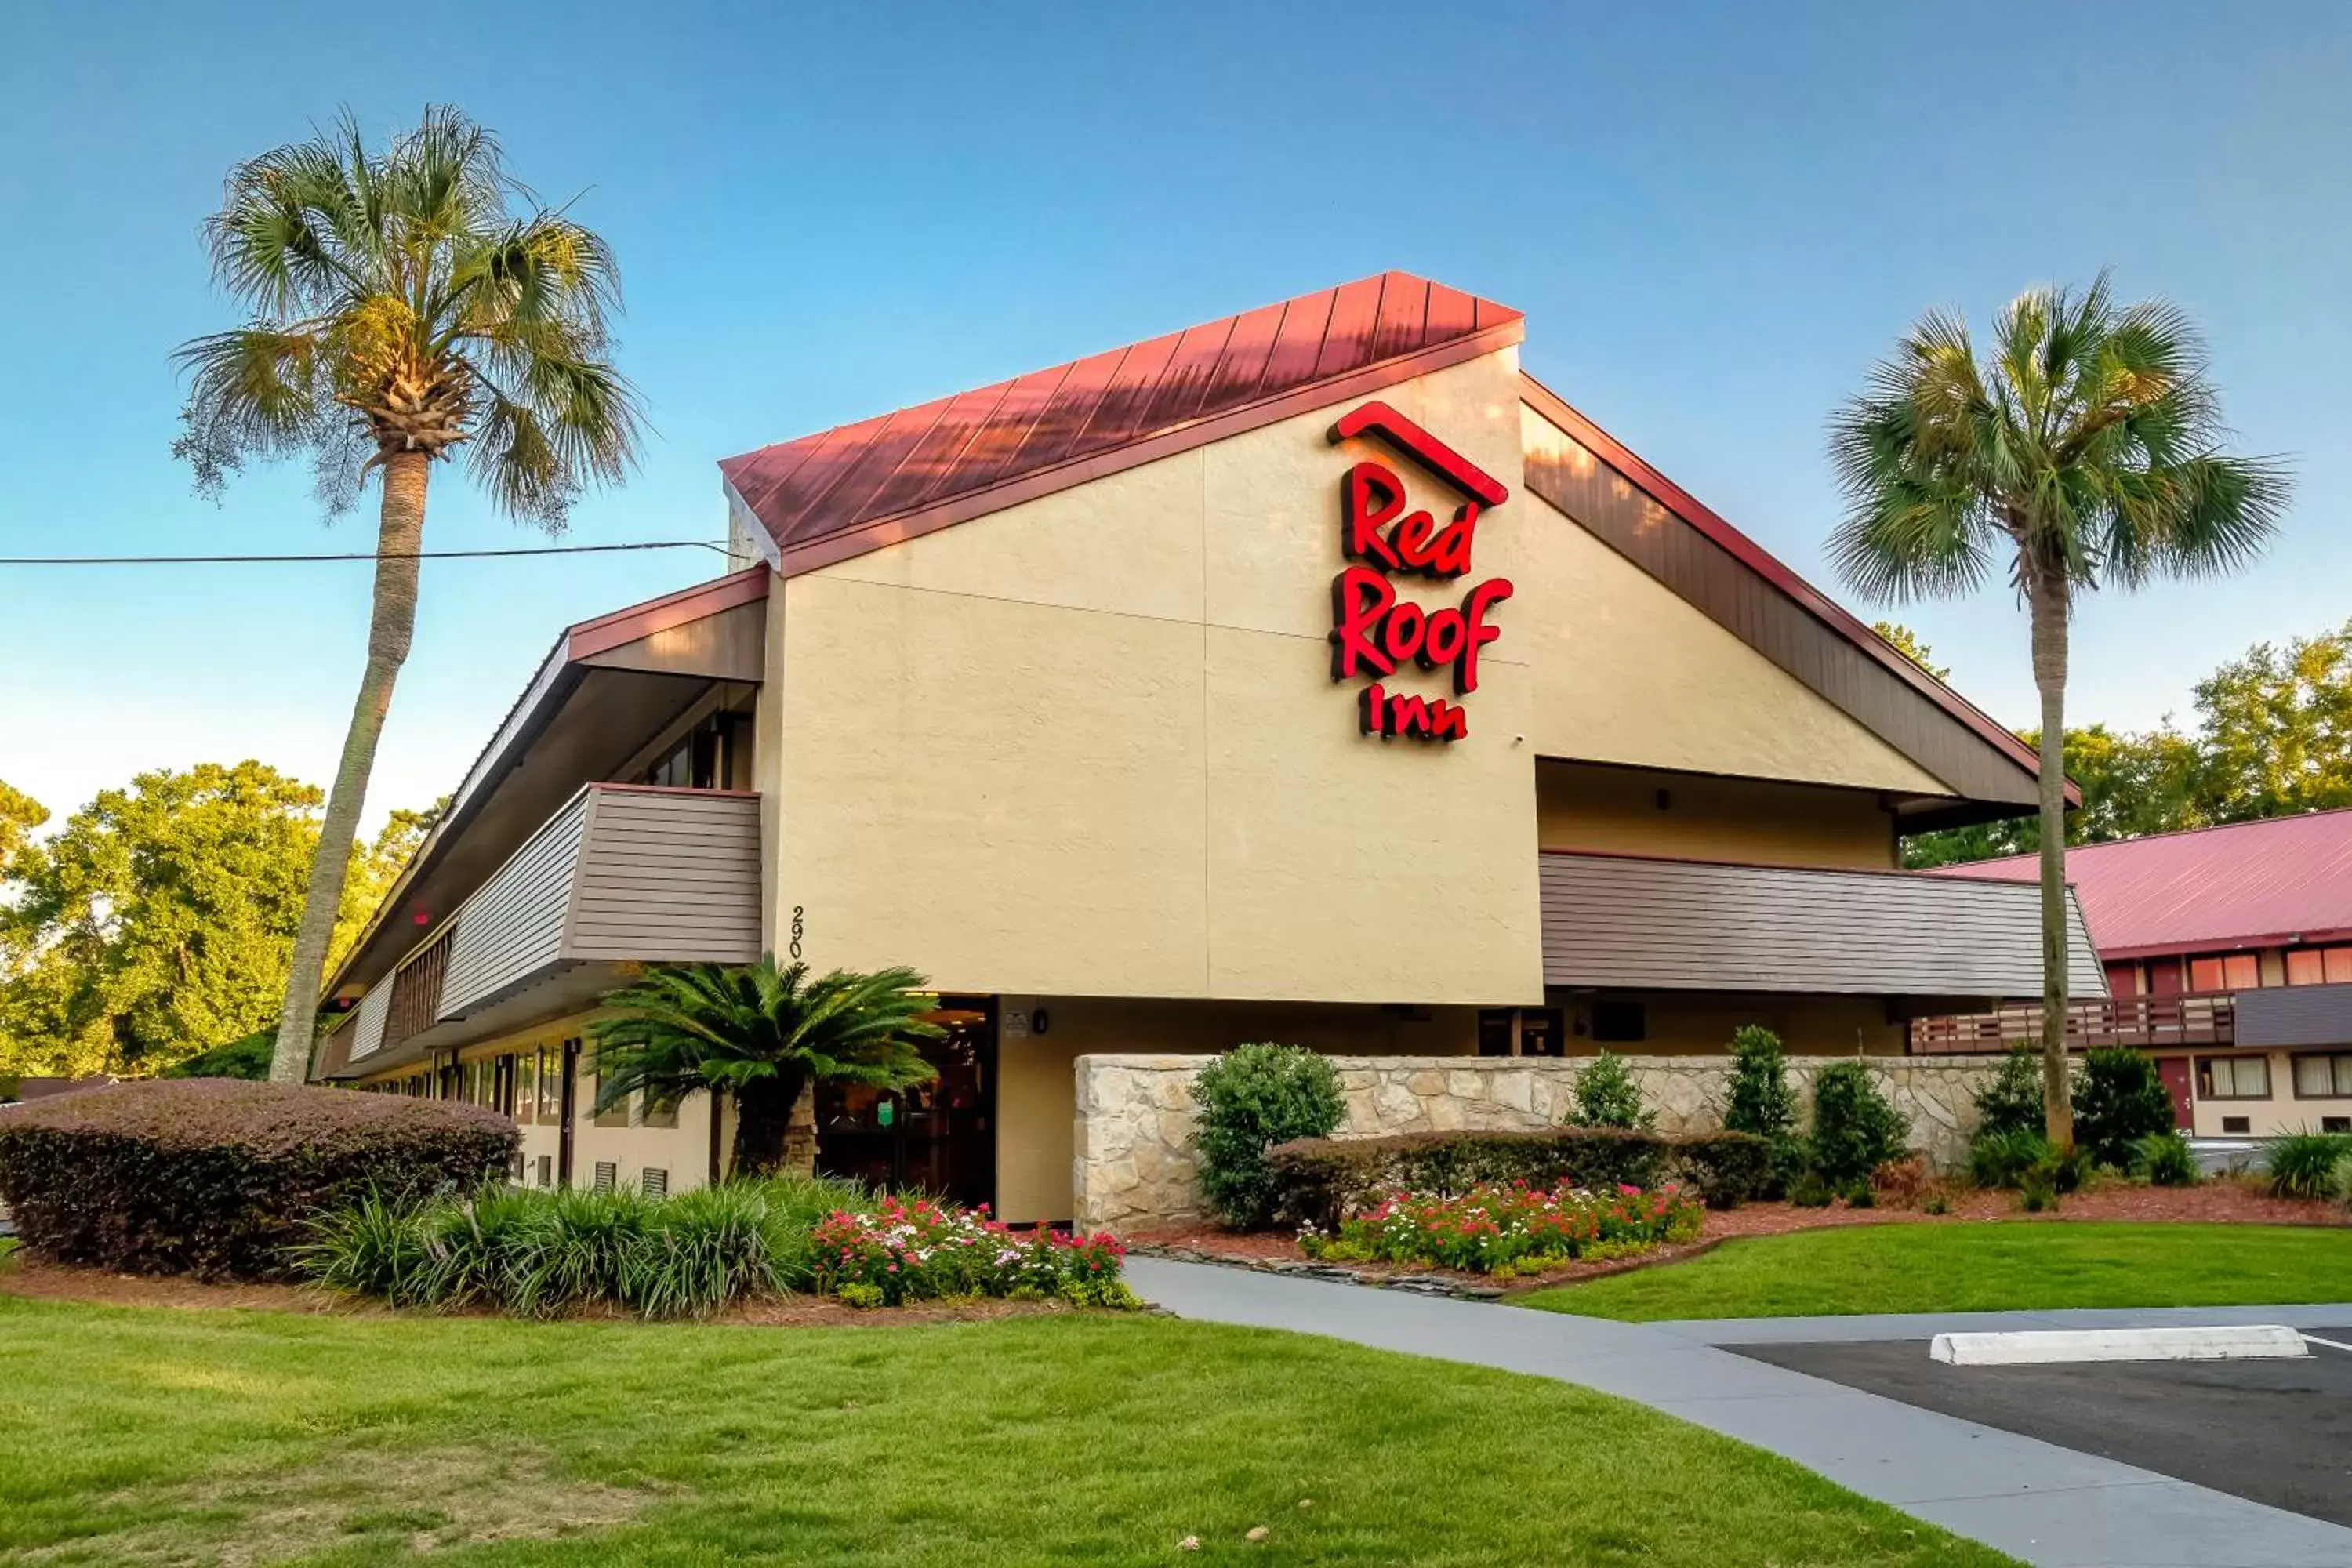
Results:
x,y
2276,1432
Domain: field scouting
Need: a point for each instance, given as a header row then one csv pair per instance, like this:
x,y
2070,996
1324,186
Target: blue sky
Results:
x,y
1715,217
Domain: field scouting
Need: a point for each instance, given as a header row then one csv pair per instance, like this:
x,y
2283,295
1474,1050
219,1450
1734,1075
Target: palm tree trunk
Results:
x,y
392,625
763,1115
2049,609
800,1133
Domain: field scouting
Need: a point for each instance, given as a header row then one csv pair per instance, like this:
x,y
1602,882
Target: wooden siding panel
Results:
x,y
1608,505
367,1029
669,875
513,928
2296,1015
1640,925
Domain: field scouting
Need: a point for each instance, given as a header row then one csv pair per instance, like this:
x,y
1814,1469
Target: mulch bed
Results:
x,y
22,1274
2219,1201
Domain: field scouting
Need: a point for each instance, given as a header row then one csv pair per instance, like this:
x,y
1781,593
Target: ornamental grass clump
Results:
x,y
1513,1230
539,1253
2303,1164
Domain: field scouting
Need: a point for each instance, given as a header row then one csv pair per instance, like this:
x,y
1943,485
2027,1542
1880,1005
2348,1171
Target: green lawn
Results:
x,y
171,1437
1977,1268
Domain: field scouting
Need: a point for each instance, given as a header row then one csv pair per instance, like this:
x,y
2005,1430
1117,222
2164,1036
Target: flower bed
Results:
x,y
1504,1232
919,1250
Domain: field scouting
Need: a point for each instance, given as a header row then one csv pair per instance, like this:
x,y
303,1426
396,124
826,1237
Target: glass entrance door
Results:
x,y
937,1138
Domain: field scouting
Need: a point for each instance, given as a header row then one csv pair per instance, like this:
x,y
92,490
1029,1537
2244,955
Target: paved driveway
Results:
x,y
2035,1499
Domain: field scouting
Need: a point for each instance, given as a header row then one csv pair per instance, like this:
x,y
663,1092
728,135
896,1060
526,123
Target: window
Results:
x,y
2233,1077
664,1115
2322,1078
1616,1023
2318,965
2237,1124
2122,980
550,1085
2335,1124
547,1170
616,1117
526,1086
715,754
2225,971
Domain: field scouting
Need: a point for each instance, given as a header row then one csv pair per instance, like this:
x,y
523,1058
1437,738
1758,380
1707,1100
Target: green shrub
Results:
x,y
2340,1180
1249,1099
1999,1157
1607,1096
1725,1169
217,1177
1809,1192
1321,1180
2303,1164
2164,1159
2011,1103
245,1058
2037,1190
2119,1098
1855,1129
1760,1101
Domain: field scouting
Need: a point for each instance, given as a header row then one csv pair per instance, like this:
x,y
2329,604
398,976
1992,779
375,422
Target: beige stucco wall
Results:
x,y
683,1150
1627,671
2282,1111
1762,822
1089,744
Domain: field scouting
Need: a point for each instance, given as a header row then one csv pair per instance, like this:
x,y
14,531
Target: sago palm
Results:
x,y
766,1036
2083,449
405,301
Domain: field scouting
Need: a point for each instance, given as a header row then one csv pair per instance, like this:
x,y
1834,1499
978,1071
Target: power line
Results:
x,y
358,555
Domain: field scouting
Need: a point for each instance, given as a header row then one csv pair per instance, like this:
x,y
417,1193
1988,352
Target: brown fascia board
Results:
x,y
580,640
1755,558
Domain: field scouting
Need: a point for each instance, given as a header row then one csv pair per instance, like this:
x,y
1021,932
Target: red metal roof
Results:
x,y
858,487
2250,884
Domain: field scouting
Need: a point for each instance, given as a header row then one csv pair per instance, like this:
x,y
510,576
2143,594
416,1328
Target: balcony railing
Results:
x,y
622,873
2149,1023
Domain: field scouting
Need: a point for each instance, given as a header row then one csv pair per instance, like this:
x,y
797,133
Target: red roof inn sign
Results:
x,y
1373,630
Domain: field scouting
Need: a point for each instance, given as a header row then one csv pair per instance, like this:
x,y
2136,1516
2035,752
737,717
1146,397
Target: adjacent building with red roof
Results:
x,y
2228,952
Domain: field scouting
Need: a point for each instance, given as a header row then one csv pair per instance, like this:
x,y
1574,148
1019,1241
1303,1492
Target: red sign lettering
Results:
x,y
1374,631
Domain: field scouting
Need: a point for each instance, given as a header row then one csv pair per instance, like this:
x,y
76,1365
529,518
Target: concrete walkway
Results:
x,y
2035,1502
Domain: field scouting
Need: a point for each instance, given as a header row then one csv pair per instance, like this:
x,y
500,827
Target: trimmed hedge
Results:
x,y
1319,1181
216,1177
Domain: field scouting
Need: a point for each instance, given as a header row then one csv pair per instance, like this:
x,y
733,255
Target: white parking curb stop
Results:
x,y
2048,1346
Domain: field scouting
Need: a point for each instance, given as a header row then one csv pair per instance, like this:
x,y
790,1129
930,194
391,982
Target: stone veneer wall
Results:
x,y
1133,1163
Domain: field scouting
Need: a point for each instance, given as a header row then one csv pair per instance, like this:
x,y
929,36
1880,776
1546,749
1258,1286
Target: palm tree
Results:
x,y
2084,448
404,301
767,1036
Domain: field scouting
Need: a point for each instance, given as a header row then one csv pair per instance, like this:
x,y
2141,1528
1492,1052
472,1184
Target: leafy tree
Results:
x,y
766,1036
1247,1100
375,866
405,300
2119,1100
155,922
2157,780
1907,642
1607,1096
2276,728
2084,447
20,816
